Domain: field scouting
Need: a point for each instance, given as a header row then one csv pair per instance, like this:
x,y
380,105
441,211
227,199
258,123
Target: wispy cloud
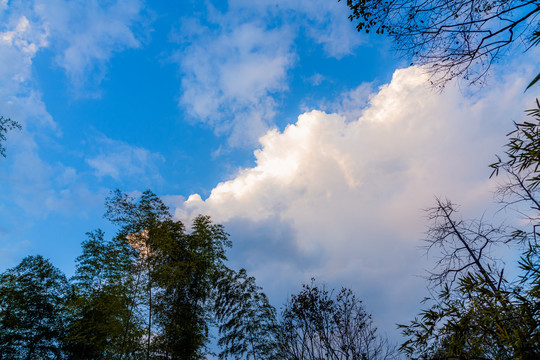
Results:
x,y
86,34
324,22
230,76
234,67
123,162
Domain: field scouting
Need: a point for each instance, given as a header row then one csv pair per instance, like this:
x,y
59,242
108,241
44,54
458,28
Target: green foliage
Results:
x,y
6,125
135,215
102,263
471,321
155,290
185,268
101,314
176,272
523,152
32,306
185,285
248,325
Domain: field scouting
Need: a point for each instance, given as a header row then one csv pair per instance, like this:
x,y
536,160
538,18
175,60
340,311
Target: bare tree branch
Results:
x,y
455,39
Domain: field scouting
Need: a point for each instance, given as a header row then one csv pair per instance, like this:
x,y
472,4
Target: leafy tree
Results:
x,y
318,324
32,307
247,322
535,41
176,272
151,292
478,313
102,263
185,272
461,38
101,312
6,124
138,219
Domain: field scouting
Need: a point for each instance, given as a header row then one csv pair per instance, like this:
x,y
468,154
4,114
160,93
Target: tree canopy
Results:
x,y
33,298
155,290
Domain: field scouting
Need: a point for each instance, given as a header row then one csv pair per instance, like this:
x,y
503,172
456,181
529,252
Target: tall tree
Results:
x,y
178,271
102,324
477,312
248,325
138,220
460,38
32,310
185,272
151,292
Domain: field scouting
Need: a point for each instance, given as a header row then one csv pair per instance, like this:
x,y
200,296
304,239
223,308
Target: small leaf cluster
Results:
x,y
6,124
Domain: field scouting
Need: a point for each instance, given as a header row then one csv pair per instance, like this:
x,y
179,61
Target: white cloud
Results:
x,y
88,33
316,79
351,103
230,76
20,39
325,22
27,179
328,25
85,34
234,66
347,195
122,161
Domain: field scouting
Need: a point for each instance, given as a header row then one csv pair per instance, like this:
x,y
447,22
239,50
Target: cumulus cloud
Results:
x,y
354,191
351,103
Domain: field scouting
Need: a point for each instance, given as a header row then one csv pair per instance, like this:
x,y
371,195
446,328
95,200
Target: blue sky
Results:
x,y
316,146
